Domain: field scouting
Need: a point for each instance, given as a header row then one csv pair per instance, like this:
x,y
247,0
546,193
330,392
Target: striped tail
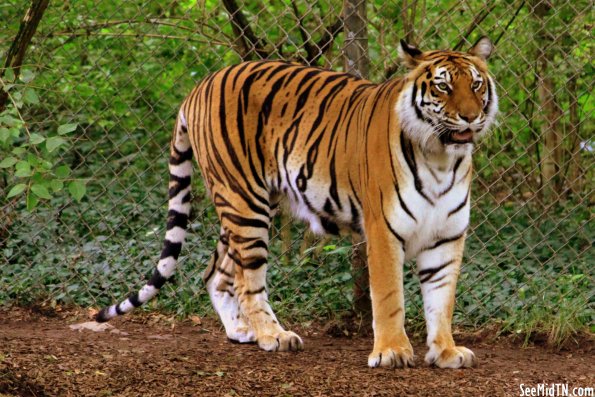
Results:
x,y
180,170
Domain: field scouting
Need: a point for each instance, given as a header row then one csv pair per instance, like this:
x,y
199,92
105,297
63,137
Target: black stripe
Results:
x,y
119,311
180,157
241,221
181,184
157,280
441,285
236,238
102,316
223,271
430,272
402,203
134,299
254,292
239,72
175,218
211,267
414,104
329,226
408,154
333,188
257,244
489,94
250,265
454,174
460,206
170,249
355,217
393,231
444,241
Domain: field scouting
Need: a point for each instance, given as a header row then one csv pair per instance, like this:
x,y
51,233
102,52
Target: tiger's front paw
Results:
x,y
283,341
391,357
451,357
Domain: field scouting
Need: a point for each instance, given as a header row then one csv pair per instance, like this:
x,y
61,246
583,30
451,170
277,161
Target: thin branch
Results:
x,y
310,50
246,37
510,22
315,51
151,35
152,21
329,36
16,52
474,25
14,103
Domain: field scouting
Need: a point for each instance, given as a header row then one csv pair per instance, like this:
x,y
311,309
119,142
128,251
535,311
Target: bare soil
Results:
x,y
151,356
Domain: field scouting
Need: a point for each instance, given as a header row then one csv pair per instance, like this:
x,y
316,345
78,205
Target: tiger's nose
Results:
x,y
469,117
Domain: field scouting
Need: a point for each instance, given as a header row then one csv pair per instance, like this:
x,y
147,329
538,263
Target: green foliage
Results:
x,y
32,159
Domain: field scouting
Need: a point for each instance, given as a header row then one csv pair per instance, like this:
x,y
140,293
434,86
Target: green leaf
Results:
x,y
30,96
54,142
22,169
36,139
10,121
41,191
32,201
8,162
8,74
19,151
16,190
4,134
66,128
56,185
62,171
26,76
77,190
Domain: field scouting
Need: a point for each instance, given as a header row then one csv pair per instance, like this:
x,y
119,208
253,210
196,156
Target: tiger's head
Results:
x,y
449,100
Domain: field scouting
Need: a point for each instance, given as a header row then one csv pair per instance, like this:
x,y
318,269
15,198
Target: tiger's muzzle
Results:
x,y
451,137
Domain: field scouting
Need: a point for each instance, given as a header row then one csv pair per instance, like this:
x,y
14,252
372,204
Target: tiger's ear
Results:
x,y
409,55
482,48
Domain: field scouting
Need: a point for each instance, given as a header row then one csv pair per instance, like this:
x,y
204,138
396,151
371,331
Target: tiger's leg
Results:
x,y
385,264
219,279
438,270
249,251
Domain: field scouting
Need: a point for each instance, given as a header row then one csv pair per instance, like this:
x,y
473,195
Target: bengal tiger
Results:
x,y
391,161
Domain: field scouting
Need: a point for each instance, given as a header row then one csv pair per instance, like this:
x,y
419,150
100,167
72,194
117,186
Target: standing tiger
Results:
x,y
391,161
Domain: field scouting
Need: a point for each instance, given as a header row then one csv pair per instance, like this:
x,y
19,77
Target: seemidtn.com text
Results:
x,y
555,390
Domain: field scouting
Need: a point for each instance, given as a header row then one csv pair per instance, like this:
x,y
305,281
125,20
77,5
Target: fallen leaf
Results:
x,y
92,326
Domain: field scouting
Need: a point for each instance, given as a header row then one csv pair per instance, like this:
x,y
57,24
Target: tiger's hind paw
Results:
x,y
451,357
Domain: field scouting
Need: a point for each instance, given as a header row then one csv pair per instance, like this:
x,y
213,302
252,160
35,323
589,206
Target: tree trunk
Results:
x,y
575,174
18,48
357,62
549,107
356,59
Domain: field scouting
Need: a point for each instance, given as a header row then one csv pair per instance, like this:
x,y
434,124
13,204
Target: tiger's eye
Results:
x,y
476,85
442,86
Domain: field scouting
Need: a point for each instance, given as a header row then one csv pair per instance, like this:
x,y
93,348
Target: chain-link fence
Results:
x,y
86,123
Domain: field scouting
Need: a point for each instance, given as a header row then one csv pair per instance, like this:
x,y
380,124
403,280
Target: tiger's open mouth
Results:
x,y
453,136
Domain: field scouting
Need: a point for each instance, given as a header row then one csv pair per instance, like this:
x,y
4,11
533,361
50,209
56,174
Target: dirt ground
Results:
x,y
147,355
